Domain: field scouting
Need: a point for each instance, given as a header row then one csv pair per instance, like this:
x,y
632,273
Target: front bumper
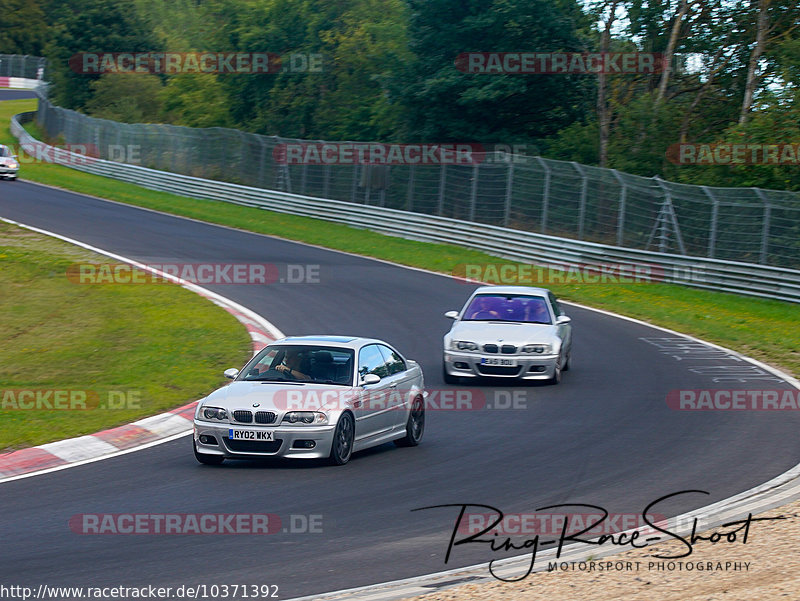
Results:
x,y
8,171
286,440
528,367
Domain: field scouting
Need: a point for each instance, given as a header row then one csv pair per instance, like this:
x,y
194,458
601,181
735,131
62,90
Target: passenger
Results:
x,y
538,313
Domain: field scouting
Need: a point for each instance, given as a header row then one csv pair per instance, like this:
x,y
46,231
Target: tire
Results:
x,y
415,426
205,458
556,379
343,437
448,378
567,363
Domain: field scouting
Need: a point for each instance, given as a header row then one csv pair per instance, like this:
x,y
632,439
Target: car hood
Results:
x,y
511,333
278,397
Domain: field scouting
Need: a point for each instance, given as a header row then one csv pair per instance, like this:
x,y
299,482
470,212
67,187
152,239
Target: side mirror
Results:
x,y
13,156
451,315
562,319
370,379
231,373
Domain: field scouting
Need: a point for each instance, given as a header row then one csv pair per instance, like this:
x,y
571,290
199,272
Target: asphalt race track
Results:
x,y
605,436
16,94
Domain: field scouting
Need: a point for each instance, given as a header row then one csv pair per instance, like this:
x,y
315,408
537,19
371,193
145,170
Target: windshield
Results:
x,y
301,364
508,307
4,151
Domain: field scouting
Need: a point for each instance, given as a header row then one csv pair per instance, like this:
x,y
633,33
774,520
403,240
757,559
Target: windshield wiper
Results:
x,y
329,382
274,380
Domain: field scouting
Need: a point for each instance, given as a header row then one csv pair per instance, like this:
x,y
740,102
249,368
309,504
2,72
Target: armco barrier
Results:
x,y
528,247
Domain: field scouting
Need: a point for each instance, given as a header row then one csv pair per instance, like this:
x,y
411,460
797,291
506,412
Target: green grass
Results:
x,y
765,329
156,346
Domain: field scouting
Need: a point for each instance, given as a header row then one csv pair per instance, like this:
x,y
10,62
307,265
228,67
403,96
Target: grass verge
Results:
x,y
765,329
107,354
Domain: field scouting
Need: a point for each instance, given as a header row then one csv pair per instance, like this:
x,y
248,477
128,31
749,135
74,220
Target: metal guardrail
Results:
x,y
527,247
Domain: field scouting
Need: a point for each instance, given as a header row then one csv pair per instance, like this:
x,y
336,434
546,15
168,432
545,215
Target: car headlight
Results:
x,y
463,345
539,349
14,165
217,413
306,417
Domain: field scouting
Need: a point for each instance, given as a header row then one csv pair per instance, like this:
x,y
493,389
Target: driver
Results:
x,y
482,305
291,365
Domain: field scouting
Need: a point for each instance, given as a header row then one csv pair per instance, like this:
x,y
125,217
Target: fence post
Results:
x,y
442,179
262,141
410,197
509,189
623,197
545,193
473,197
582,205
665,216
712,228
764,227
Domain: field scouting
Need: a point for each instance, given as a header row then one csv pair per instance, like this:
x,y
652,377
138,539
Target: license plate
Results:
x,y
498,361
265,435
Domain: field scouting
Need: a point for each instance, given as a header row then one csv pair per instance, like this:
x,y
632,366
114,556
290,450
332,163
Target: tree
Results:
x,y
78,26
126,97
22,27
196,100
443,104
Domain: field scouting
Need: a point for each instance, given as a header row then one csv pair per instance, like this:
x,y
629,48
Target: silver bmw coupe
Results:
x,y
312,397
514,332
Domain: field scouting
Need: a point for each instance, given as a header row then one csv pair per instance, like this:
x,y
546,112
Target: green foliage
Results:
x,y
444,104
388,73
126,97
195,100
22,27
78,26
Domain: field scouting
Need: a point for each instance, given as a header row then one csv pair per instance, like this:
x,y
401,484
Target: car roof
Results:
x,y
512,290
328,340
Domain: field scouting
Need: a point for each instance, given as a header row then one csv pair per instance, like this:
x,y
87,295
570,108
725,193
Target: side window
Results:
x,y
371,361
394,362
556,306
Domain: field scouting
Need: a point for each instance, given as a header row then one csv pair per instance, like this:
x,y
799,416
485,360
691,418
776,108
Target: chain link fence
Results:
x,y
534,194
27,67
